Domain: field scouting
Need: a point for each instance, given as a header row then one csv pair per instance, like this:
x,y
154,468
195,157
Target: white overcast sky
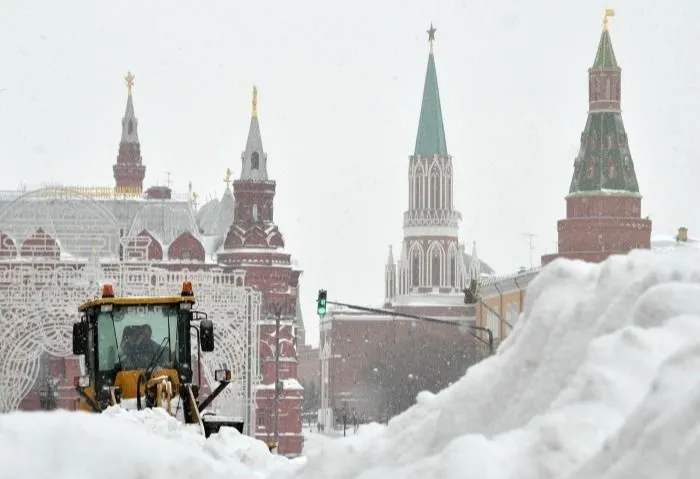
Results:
x,y
340,86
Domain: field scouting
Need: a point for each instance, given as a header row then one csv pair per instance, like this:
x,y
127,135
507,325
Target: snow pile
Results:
x,y
124,445
598,380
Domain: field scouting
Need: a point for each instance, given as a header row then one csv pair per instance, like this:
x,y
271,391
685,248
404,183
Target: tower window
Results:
x,y
130,127
415,269
435,268
255,160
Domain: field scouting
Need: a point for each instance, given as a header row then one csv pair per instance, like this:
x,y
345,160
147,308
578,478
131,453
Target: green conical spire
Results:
x,y
430,139
604,162
605,56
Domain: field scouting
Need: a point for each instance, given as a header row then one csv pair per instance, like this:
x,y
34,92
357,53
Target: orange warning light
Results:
x,y
187,289
107,291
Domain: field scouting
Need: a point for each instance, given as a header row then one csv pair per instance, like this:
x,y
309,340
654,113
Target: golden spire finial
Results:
x,y
194,198
129,81
609,12
255,102
229,174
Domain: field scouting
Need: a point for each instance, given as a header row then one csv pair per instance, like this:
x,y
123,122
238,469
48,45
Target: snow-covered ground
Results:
x,y
599,380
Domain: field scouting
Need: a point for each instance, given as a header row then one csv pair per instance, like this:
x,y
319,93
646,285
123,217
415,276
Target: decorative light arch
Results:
x,y
39,299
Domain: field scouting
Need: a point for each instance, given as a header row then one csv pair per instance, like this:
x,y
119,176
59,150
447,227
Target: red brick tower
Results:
x,y
603,207
129,172
255,244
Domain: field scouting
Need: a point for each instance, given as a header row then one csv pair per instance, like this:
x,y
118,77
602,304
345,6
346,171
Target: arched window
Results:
x,y
434,189
453,268
418,189
447,201
255,161
255,212
435,267
130,127
415,269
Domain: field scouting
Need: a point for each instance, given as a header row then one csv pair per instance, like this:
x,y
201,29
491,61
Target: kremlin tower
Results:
x,y
255,244
433,268
603,207
129,171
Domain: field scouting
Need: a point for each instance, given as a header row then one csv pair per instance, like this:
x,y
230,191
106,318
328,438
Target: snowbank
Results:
x,y
124,445
599,380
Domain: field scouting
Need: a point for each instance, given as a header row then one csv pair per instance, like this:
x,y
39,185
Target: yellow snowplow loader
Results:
x,y
138,354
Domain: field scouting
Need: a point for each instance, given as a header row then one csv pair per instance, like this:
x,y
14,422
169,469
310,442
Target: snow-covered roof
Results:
x,y
487,280
287,384
670,243
167,219
216,216
85,226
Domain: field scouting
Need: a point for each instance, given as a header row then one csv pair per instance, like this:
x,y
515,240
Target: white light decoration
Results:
x,y
40,293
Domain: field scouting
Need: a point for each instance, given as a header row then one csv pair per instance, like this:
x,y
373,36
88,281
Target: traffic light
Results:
x,y
321,303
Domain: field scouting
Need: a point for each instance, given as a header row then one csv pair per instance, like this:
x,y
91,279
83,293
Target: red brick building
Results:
x,y
255,244
603,207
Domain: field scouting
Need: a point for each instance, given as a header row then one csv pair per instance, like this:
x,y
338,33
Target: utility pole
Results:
x,y
531,237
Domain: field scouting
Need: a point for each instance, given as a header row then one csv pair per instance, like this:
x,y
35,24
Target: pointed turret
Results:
x,y
604,161
430,139
389,278
299,320
130,131
129,171
254,158
474,264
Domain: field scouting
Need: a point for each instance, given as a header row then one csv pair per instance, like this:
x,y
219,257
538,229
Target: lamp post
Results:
x,y
277,303
48,394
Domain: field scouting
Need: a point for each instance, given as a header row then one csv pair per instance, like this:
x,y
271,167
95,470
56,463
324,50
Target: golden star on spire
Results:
x,y
129,78
227,178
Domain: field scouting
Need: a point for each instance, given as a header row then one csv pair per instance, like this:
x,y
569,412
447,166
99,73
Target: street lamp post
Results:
x,y
277,307
48,394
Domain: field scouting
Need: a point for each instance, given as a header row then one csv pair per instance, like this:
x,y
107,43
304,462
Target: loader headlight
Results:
x,y
81,381
118,394
221,375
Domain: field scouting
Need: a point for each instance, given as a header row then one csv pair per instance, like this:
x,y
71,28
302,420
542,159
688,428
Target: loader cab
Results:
x,y
131,335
